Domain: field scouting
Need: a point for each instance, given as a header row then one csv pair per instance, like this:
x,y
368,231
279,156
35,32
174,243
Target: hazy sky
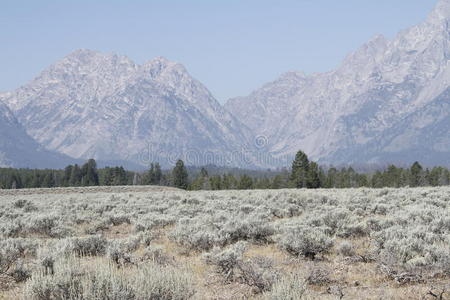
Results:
x,y
232,46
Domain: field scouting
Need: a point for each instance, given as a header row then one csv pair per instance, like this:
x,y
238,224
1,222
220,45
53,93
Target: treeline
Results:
x,y
308,174
72,175
303,174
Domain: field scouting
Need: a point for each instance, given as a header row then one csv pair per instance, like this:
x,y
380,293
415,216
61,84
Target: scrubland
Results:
x,y
157,243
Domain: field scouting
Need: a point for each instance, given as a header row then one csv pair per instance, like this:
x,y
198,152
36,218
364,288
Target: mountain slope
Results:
x,y
358,104
17,149
105,106
423,134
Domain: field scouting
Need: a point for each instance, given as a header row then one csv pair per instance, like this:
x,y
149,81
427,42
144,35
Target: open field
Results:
x,y
162,243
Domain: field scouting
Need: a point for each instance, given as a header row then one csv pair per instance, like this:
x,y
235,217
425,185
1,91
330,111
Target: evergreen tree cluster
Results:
x,y
180,175
304,174
71,176
308,174
86,175
115,176
154,175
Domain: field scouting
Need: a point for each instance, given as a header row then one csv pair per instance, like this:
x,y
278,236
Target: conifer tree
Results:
x,y
300,166
157,174
313,180
120,176
153,175
245,182
215,182
75,177
49,180
203,172
263,183
416,174
180,175
444,177
90,174
277,182
149,177
331,176
229,182
67,174
377,180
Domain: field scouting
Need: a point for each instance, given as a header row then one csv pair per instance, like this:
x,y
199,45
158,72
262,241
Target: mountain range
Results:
x,y
388,102
106,107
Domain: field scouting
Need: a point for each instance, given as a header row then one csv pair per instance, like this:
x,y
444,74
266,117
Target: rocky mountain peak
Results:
x,y
104,106
441,12
162,67
82,54
159,61
369,51
90,61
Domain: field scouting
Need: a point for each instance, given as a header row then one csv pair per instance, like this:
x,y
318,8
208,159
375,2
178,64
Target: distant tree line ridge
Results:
x,y
303,174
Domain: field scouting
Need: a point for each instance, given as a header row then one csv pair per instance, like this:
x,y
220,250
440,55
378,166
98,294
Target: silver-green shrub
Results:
x,y
288,287
105,282
305,241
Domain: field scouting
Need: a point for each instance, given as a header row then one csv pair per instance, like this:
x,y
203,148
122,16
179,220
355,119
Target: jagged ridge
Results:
x,y
107,107
337,116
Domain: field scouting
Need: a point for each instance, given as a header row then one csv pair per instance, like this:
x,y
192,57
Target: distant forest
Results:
x,y
303,174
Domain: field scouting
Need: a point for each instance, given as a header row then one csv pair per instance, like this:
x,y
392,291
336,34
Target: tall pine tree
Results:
x,y
180,175
300,168
416,172
313,179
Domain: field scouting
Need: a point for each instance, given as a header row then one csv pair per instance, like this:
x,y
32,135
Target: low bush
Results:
x,y
251,229
226,260
117,220
97,227
20,272
346,248
203,233
305,241
43,225
163,282
103,281
64,282
153,221
12,229
289,287
258,273
120,251
156,255
195,234
88,246
318,275
147,237
8,258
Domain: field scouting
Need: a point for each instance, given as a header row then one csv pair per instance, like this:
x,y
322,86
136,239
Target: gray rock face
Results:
x,y
385,103
17,149
104,106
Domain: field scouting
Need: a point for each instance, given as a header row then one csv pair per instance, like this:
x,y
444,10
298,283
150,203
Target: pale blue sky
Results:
x,y
232,46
